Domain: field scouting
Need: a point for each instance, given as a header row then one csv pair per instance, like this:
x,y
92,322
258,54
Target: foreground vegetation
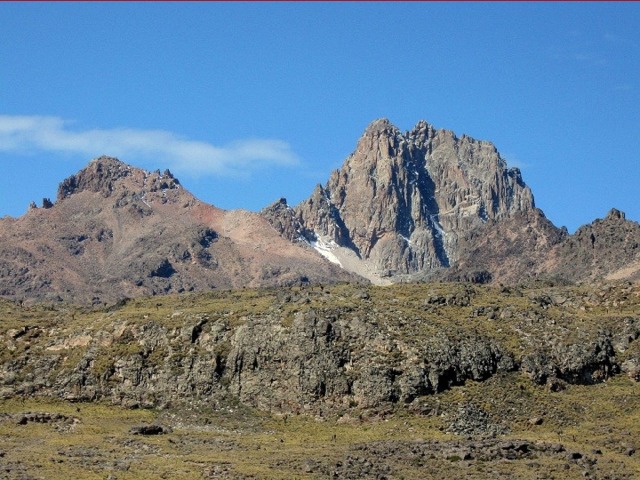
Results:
x,y
506,426
600,423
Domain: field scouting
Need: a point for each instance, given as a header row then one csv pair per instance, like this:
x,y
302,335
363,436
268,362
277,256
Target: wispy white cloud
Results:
x,y
53,134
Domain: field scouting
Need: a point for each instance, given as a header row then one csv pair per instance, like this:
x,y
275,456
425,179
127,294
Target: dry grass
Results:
x,y
234,441
240,443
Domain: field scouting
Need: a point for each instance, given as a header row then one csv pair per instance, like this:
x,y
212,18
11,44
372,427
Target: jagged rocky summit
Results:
x,y
407,203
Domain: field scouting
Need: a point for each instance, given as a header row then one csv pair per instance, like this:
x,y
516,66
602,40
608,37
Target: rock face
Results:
x,y
316,360
116,231
309,349
334,357
284,219
509,251
405,202
607,248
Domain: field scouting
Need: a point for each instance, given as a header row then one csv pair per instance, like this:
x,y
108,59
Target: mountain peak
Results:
x,y
422,132
118,231
103,173
401,202
615,214
422,126
98,176
107,160
379,126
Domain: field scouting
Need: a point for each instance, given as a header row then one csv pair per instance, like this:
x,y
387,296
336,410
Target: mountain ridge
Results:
x,y
345,375
116,231
427,204
424,205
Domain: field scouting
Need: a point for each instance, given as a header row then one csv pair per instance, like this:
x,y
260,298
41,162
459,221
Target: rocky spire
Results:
x,y
615,214
102,175
99,176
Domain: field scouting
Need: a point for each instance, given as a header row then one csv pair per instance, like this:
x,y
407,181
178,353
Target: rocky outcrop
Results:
x,y
312,350
99,176
328,359
606,248
284,219
333,357
105,175
584,363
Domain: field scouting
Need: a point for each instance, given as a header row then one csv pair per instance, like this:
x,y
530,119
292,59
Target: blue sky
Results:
x,y
248,102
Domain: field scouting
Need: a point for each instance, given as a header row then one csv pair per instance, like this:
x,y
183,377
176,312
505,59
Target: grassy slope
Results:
x,y
237,442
